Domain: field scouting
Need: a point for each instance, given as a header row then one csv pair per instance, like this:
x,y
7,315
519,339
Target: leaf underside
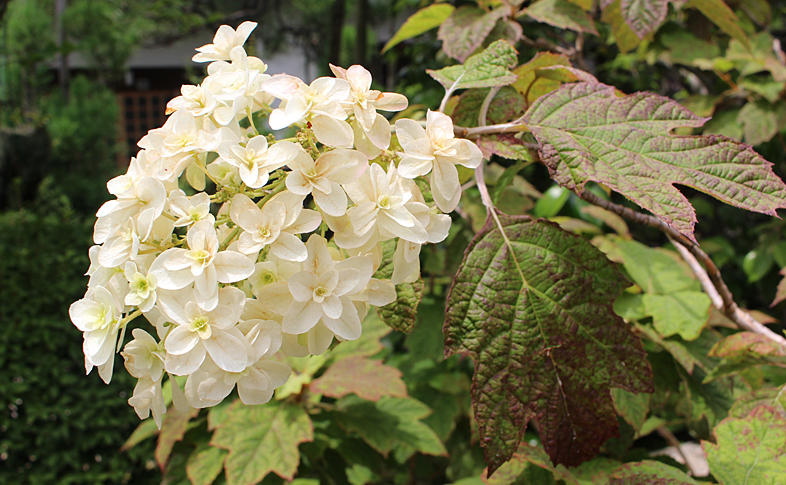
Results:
x,y
644,16
547,349
587,133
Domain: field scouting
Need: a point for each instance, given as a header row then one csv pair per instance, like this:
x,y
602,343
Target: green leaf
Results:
x,y
562,14
597,471
768,88
625,38
617,223
390,423
624,143
780,292
514,471
421,21
552,202
749,450
630,306
721,15
537,320
684,313
756,264
466,29
368,379
725,123
632,407
173,429
741,344
775,397
506,145
532,86
400,314
759,122
205,464
367,345
505,180
262,439
644,16
487,69
650,472
655,270
146,429
303,370
507,105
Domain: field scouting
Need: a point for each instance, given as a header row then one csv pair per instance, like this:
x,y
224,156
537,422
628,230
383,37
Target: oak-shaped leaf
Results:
x,y
421,21
537,319
651,473
466,29
751,450
588,133
486,69
367,378
532,86
261,440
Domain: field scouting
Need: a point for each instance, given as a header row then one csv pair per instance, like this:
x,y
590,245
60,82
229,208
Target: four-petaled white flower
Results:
x,y
323,177
321,292
256,160
203,264
437,151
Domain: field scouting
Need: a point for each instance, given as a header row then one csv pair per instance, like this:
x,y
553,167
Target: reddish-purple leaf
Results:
x,y
539,324
588,133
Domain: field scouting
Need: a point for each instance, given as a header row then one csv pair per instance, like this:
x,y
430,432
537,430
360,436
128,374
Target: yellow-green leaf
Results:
x,y
421,21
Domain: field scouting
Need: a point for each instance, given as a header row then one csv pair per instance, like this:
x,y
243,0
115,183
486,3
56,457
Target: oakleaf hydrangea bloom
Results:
x,y
274,252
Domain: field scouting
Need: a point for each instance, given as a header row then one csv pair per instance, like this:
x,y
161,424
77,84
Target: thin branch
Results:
x,y
484,107
727,304
672,440
701,274
542,43
474,132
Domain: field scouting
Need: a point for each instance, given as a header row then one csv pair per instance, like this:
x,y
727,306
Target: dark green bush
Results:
x,y
57,426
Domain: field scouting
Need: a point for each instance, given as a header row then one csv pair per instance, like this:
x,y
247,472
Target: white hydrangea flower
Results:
x,y
364,103
144,356
98,315
320,292
224,41
384,204
148,397
435,150
318,103
323,177
256,160
203,264
142,288
189,210
199,332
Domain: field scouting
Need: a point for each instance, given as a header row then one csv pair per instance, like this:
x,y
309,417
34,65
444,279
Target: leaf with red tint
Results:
x,y
536,316
589,133
368,379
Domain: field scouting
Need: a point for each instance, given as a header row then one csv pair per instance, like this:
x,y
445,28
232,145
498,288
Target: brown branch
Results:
x,y
709,272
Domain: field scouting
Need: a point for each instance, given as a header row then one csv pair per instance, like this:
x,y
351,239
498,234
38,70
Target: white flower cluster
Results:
x,y
226,278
